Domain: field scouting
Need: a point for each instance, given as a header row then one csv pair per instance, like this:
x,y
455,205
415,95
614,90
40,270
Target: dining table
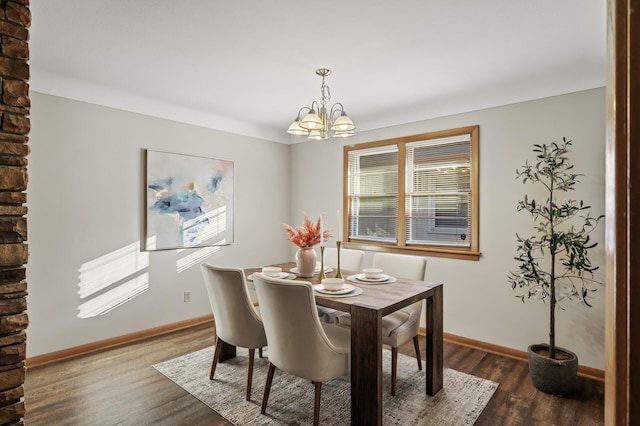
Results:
x,y
367,309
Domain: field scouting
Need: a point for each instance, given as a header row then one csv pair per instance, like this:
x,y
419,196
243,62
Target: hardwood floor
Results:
x,y
119,387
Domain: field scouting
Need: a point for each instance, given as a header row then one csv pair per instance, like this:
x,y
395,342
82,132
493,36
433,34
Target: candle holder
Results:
x,y
338,274
322,275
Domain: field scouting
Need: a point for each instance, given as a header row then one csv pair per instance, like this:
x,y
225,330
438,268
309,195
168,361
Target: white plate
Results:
x,y
282,276
327,269
360,278
353,293
363,277
346,288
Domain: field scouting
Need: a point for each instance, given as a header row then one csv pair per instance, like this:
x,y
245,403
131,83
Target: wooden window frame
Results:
x,y
466,253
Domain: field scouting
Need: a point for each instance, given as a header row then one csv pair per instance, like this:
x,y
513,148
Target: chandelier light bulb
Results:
x,y
311,121
344,134
343,123
295,128
317,135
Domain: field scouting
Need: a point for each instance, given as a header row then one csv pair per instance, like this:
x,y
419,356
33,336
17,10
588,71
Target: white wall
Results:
x,y
85,201
479,302
85,198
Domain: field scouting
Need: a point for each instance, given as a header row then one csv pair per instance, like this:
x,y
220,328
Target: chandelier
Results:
x,y
316,125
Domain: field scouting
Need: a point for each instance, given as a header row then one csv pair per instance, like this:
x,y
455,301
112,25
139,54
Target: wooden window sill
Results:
x,y
447,252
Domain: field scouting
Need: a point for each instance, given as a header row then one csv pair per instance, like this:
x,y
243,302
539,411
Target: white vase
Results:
x,y
306,261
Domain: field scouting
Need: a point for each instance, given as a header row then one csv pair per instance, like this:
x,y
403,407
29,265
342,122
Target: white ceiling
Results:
x,y
247,66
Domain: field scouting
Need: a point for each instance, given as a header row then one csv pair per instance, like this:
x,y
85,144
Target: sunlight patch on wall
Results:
x,y
112,279
208,226
195,258
151,242
108,301
213,233
211,229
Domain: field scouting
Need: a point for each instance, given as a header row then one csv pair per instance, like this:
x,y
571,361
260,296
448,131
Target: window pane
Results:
x,y
375,228
377,206
373,194
438,191
438,219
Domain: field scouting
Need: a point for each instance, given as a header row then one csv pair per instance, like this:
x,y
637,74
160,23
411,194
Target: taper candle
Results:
x,y
339,236
321,231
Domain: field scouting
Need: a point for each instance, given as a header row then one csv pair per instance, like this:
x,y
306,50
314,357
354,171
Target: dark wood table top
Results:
x,y
385,298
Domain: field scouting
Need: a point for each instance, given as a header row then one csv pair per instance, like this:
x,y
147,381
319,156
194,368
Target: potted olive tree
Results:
x,y
553,264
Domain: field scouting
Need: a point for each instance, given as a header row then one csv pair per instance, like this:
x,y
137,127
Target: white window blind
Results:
x,y
373,193
438,191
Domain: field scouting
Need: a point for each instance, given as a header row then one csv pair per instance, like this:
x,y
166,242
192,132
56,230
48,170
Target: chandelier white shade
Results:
x,y
318,122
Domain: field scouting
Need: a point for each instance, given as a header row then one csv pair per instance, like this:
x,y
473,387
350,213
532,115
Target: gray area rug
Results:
x,y
460,402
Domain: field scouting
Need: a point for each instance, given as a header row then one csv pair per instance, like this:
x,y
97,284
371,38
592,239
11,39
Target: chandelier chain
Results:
x,y
325,92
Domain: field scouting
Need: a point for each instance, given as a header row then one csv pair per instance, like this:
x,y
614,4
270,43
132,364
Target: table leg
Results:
x,y
227,352
434,373
366,366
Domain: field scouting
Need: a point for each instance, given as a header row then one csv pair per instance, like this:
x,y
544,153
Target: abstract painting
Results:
x,y
189,201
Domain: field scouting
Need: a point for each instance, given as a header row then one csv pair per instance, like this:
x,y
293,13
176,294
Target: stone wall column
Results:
x,y
15,19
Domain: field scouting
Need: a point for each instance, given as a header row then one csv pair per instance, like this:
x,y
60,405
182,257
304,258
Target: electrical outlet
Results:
x,y
187,296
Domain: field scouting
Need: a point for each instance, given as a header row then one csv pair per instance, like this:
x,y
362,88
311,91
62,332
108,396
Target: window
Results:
x,y
418,194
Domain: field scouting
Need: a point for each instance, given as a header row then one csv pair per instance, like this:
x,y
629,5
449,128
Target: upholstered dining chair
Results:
x,y
403,325
299,344
237,321
350,260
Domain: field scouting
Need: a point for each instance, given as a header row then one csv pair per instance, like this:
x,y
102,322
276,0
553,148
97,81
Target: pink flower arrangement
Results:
x,y
307,235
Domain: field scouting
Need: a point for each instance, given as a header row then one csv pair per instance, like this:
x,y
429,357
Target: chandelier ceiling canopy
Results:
x,y
318,122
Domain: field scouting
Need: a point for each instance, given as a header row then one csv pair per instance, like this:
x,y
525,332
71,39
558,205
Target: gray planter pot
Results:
x,y
553,376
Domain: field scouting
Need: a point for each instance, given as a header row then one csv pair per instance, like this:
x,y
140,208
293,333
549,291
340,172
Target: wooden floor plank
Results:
x,y
119,386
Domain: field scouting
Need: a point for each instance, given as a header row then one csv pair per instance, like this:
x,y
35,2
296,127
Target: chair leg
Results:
x,y
267,388
394,368
416,345
260,351
316,404
252,353
216,356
